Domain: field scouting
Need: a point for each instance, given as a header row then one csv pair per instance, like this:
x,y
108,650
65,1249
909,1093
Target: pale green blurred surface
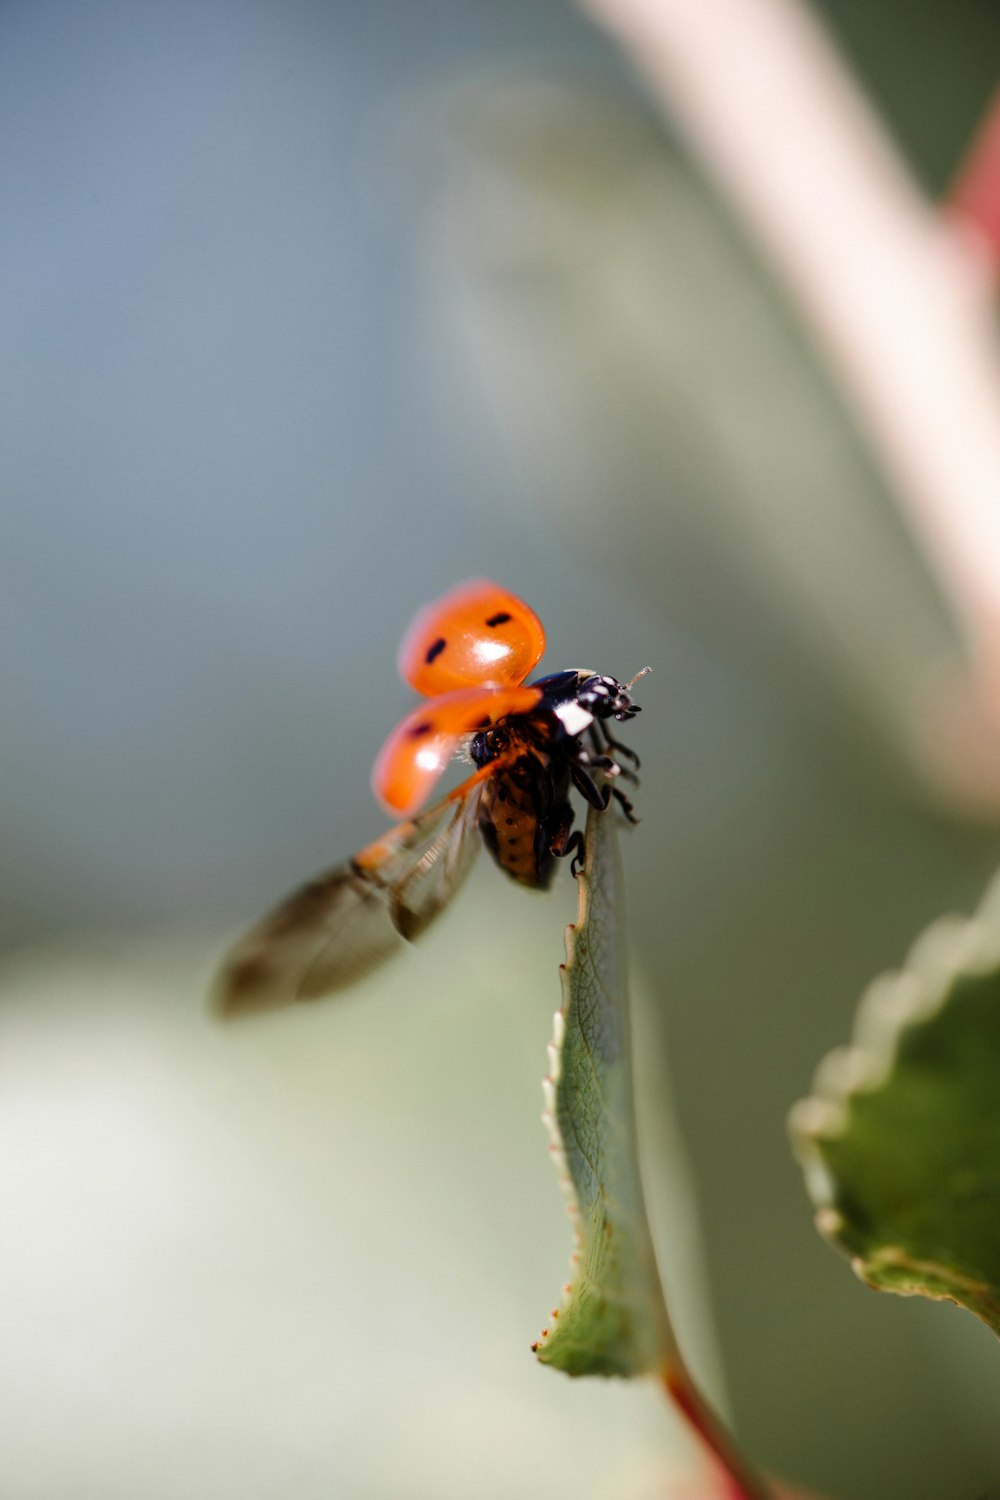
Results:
x,y
288,347
306,1254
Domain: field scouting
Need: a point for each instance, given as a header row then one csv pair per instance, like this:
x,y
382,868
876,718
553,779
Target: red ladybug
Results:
x,y
468,654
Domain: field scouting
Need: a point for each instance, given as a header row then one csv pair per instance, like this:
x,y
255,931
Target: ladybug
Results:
x,y
468,654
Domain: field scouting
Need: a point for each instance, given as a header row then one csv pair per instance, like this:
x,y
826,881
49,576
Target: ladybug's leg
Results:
x,y
577,848
625,772
604,761
599,745
626,805
621,749
612,744
563,843
597,796
570,844
600,761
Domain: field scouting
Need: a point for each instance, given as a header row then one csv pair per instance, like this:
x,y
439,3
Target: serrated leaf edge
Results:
x,y
550,1084
950,948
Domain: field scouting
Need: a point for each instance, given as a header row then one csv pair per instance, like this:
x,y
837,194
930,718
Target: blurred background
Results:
x,y
310,310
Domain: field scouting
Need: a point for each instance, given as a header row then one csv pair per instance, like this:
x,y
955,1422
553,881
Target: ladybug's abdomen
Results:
x,y
519,814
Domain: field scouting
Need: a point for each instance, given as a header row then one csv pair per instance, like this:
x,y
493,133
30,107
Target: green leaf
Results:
x,y
612,1320
901,1141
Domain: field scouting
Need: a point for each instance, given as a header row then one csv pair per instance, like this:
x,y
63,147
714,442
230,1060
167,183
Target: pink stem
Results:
x,y
975,194
900,302
739,1481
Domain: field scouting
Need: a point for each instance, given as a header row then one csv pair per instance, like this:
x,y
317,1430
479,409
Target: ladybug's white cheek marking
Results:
x,y
574,718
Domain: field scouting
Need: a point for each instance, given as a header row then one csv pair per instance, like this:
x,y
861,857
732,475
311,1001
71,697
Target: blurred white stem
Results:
x,y
899,301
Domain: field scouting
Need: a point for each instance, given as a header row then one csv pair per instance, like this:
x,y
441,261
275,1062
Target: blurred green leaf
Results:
x,y
613,1320
635,346
901,1141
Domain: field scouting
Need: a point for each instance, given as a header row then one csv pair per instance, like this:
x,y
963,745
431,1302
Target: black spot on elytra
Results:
x,y
498,619
483,723
433,652
419,730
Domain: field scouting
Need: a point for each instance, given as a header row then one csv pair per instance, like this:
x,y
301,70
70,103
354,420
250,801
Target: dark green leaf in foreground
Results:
x,y
901,1141
612,1320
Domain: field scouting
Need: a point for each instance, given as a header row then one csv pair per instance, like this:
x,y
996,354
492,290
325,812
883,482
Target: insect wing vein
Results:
x,y
347,921
427,886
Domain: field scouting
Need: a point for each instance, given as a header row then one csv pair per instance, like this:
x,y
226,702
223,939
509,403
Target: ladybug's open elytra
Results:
x,y
468,654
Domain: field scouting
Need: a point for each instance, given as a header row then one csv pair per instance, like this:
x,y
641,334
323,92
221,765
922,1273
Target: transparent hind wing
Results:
x,y
347,921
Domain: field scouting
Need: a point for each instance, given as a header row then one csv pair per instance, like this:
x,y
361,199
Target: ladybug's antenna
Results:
x,y
645,671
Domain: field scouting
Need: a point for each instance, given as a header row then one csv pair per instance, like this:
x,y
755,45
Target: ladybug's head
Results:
x,y
607,698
